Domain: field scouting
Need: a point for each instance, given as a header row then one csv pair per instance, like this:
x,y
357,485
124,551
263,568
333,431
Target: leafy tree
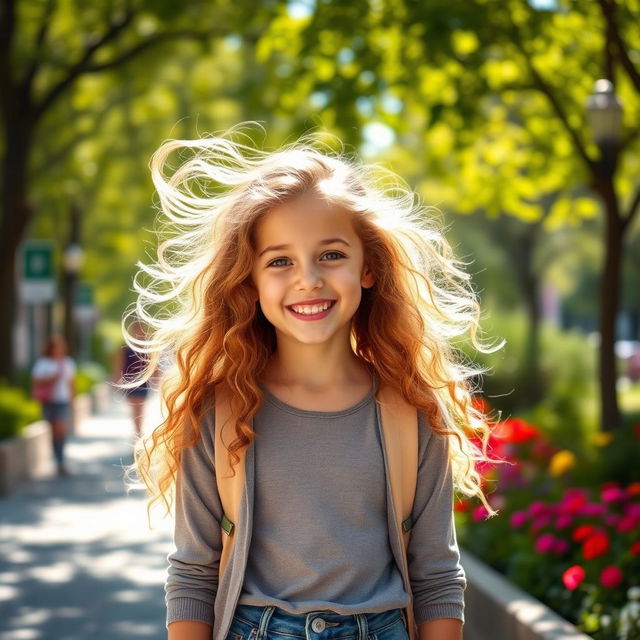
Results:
x,y
500,89
46,48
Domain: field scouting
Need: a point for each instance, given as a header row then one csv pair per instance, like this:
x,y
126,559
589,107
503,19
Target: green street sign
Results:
x,y
37,281
84,295
37,260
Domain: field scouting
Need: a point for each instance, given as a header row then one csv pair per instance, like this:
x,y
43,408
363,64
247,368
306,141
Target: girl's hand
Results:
x,y
441,629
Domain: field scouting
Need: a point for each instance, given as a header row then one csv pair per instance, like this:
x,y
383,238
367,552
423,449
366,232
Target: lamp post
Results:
x,y
73,259
604,114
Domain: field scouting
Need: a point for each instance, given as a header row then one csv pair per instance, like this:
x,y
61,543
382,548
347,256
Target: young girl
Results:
x,y
301,287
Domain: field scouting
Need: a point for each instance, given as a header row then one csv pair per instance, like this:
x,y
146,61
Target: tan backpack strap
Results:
x,y
400,429
230,485
401,439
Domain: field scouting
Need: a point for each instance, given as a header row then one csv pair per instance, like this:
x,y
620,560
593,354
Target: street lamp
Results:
x,y
72,259
604,113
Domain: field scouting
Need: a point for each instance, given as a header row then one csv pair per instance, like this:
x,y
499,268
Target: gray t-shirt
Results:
x,y
320,535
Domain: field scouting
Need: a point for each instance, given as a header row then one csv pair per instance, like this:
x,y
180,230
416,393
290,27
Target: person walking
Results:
x,y
129,364
53,385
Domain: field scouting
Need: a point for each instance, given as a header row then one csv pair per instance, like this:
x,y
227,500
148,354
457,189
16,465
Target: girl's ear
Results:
x,y
367,279
253,292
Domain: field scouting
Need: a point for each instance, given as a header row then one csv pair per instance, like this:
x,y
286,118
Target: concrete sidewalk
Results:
x,y
77,558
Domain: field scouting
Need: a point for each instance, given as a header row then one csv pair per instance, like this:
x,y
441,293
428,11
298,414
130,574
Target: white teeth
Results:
x,y
308,311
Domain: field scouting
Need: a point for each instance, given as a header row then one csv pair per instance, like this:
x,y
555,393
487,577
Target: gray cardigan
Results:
x,y
192,589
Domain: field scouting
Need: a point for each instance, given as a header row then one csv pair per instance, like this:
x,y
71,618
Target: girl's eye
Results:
x,y
273,263
334,253
281,262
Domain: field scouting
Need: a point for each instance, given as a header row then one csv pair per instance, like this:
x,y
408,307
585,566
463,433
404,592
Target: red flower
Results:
x,y
595,545
611,577
516,430
461,505
583,532
635,548
481,405
573,501
572,578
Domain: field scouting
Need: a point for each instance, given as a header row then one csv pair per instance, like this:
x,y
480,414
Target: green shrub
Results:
x,y
89,374
566,378
17,410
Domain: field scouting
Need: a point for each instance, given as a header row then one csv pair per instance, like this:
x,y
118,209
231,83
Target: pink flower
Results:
x,y
540,522
633,510
479,514
612,519
627,523
613,494
545,543
572,578
573,500
538,508
563,521
593,510
518,519
611,577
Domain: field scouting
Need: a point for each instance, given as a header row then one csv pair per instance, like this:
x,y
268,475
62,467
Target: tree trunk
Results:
x,y
609,302
16,214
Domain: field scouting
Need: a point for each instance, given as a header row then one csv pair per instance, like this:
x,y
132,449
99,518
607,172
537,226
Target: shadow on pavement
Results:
x,y
77,557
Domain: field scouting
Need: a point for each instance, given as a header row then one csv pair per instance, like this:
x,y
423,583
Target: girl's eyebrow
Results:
x,y
283,247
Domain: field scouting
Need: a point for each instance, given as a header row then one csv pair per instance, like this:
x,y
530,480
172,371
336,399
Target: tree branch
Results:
x,y
150,42
547,90
609,13
633,209
25,85
115,28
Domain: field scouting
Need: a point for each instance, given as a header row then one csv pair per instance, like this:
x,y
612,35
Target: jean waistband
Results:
x,y
315,625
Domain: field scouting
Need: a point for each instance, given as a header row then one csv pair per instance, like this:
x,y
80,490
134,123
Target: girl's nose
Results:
x,y
309,277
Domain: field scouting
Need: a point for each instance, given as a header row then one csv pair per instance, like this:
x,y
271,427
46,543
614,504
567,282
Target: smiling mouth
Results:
x,y
310,311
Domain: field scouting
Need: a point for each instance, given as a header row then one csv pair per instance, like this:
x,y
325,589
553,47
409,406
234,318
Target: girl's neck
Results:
x,y
316,370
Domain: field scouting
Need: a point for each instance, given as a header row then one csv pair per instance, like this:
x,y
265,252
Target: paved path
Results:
x,y
77,558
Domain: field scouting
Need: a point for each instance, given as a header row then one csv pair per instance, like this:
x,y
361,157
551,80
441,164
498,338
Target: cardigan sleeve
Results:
x,y
192,577
436,575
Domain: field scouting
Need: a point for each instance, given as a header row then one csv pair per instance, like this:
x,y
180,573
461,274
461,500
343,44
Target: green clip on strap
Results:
x,y
407,525
227,525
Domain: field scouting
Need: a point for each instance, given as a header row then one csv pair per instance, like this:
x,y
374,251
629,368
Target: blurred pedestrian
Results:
x,y
129,364
53,386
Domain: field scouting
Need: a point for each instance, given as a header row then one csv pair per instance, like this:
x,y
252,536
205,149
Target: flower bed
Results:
x,y
574,547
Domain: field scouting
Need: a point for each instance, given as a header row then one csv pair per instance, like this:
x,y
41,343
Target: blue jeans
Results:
x,y
272,623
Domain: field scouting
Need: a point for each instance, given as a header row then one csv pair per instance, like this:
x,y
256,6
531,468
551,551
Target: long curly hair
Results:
x,y
201,318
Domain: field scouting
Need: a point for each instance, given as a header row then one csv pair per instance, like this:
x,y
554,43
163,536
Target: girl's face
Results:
x,y
308,270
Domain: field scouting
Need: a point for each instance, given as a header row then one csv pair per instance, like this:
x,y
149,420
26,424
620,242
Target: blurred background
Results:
x,y
519,120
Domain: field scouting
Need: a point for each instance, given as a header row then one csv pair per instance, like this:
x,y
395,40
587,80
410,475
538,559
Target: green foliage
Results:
x,y
567,376
89,374
17,410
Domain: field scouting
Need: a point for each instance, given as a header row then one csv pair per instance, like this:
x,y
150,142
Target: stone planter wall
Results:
x,y
498,610
29,455
25,457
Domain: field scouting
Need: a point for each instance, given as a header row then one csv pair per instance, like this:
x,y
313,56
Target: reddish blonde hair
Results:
x,y
214,331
